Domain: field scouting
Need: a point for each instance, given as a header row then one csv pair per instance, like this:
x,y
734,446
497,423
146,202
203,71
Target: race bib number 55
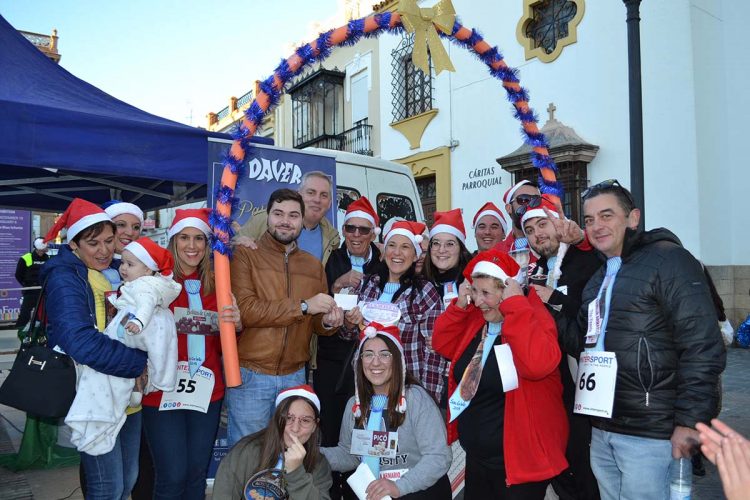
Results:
x,y
190,393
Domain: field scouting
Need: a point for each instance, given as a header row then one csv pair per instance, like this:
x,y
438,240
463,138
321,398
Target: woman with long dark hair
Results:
x,y
396,281
447,257
387,398
286,453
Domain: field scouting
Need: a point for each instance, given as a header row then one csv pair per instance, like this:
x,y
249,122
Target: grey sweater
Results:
x,y
242,461
422,444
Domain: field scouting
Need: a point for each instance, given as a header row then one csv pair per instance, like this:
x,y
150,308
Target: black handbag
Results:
x,y
42,381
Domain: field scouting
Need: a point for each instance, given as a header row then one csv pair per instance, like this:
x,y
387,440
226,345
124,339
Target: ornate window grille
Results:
x,y
411,90
549,23
572,175
317,107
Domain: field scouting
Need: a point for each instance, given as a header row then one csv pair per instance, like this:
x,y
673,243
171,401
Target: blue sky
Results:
x,y
172,58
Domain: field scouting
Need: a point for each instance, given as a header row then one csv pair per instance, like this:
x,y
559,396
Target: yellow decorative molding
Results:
x,y
413,127
435,162
528,44
386,6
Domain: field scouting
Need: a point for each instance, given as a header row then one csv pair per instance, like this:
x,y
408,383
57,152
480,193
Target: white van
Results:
x,y
389,186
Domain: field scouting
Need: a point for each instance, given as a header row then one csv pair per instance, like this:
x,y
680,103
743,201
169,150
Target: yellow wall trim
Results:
x,y
529,50
413,127
435,162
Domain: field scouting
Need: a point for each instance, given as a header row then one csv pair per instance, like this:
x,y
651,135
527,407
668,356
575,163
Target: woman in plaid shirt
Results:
x,y
396,281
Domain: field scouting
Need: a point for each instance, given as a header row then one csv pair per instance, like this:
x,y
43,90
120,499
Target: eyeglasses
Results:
x,y
383,356
525,199
305,421
351,229
448,245
536,202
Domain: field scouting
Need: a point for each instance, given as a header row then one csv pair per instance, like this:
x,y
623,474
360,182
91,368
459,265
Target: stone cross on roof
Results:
x,y
551,110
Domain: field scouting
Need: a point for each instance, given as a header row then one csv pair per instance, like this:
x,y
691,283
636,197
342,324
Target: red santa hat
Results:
x,y
538,210
79,215
491,209
370,332
152,255
412,230
363,208
512,190
451,222
123,207
304,391
190,217
493,263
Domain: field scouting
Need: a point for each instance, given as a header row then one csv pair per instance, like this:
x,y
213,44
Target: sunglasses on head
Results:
x,y
351,229
608,185
525,199
533,203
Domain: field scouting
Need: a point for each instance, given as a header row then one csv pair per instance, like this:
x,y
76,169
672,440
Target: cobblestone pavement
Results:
x,y
735,412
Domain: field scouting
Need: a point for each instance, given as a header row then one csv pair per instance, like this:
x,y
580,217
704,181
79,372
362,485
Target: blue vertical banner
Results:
x,y
267,169
15,240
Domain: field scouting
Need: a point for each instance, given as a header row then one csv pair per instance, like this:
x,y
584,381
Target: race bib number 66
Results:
x,y
595,383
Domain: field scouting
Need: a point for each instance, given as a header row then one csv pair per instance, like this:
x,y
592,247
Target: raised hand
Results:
x,y
567,230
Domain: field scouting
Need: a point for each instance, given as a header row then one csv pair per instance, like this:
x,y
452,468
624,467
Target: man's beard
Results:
x,y
548,249
284,239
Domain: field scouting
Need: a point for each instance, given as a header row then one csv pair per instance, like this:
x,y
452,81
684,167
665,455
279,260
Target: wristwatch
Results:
x,y
304,307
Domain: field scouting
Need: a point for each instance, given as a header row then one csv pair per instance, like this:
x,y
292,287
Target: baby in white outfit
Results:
x,y
143,321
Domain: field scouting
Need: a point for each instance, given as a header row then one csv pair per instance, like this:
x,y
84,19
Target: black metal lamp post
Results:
x,y
636,105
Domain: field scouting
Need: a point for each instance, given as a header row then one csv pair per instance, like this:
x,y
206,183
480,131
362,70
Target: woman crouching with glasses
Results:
x,y
413,458
505,404
282,458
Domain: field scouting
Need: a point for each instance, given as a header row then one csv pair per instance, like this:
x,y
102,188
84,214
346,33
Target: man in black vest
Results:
x,y
27,274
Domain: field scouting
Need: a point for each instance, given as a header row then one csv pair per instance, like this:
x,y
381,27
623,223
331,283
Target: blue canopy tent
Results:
x,y
61,138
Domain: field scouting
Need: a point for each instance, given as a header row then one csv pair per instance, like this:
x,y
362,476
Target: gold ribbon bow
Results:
x,y
423,23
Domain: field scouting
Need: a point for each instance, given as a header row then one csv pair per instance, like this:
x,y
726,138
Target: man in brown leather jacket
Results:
x,y
282,295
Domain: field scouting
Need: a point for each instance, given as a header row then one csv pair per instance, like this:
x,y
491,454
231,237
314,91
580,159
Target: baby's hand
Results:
x,y
132,327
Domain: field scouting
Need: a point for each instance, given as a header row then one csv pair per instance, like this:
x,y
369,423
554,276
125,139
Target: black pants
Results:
x,y
577,482
332,401
484,483
29,301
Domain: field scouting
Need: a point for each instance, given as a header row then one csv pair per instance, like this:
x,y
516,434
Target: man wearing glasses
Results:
x,y
334,377
652,349
520,194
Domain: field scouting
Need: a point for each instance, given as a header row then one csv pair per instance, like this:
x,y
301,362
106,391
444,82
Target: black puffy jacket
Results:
x,y
663,327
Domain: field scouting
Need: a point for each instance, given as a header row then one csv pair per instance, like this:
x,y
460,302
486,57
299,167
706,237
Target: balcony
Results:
x,y
354,140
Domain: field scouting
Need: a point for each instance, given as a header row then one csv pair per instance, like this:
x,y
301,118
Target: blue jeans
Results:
x,y
630,467
181,443
111,476
252,404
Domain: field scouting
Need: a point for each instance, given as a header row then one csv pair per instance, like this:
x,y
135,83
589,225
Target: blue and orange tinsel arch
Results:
x,y
268,98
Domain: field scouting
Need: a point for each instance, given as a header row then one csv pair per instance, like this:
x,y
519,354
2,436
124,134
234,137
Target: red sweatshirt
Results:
x,y
535,429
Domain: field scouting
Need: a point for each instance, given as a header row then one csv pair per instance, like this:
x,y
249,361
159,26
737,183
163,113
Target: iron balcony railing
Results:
x,y
354,140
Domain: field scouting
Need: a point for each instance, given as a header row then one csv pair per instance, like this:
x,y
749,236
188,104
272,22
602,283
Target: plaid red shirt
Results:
x,y
419,310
